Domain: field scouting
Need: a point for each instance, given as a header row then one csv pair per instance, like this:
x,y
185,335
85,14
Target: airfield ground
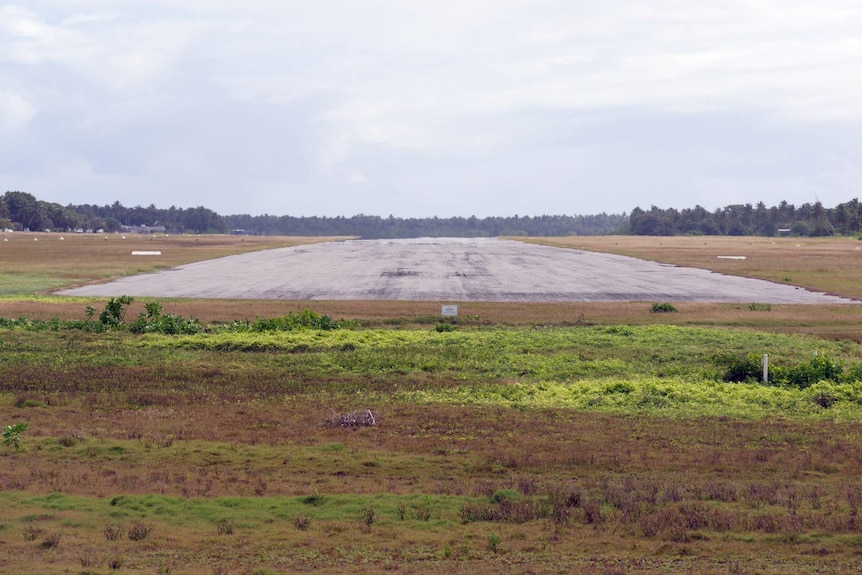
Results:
x,y
447,269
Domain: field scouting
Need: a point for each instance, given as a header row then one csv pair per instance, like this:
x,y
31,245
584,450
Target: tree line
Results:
x,y
747,220
21,211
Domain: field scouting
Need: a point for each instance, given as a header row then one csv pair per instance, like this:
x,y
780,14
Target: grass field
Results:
x,y
547,438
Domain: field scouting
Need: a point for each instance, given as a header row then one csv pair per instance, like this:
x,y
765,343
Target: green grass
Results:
x,y
587,446
666,397
663,370
25,284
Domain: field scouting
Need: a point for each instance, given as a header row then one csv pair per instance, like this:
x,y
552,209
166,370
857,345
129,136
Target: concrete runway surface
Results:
x,y
447,269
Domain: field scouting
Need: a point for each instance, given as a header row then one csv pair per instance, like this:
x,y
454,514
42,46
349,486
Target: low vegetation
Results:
x,y
264,437
603,447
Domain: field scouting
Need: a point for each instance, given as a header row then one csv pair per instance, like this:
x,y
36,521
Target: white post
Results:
x,y
765,368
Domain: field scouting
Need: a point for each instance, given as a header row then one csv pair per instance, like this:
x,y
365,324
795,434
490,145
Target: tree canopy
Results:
x,y
21,210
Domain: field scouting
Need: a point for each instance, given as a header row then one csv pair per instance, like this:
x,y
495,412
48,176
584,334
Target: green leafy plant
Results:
x,y
115,311
664,307
740,368
820,368
315,499
306,319
151,320
12,435
494,541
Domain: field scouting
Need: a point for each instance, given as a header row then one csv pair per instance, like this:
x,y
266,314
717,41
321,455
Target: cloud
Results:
x,y
15,111
382,106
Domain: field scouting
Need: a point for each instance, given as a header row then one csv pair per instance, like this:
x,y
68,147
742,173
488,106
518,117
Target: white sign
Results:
x,y
449,311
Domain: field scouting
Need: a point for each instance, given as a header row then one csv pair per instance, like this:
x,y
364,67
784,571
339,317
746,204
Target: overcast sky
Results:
x,y
423,108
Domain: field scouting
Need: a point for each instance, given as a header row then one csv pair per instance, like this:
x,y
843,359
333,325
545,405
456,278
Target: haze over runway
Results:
x,y
447,269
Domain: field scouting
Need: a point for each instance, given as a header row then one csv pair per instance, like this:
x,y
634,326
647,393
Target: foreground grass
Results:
x,y
577,442
664,370
589,449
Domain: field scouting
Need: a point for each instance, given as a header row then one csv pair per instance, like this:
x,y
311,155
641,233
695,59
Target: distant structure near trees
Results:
x,y
22,211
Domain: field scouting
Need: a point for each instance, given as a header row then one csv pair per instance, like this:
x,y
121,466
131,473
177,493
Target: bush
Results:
x,y
31,533
139,531
115,312
820,368
314,499
153,321
803,375
662,307
742,368
50,541
224,527
302,522
306,319
12,435
114,532
366,518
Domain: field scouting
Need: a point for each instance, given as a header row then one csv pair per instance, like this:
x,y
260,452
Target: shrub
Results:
x,y
366,518
114,313
505,495
742,368
422,511
827,393
139,531
592,511
31,533
306,319
506,511
562,499
153,321
67,441
224,527
50,541
662,307
315,499
114,532
302,522
803,375
12,435
23,401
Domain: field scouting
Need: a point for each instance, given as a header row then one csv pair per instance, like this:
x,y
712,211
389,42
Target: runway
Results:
x,y
447,269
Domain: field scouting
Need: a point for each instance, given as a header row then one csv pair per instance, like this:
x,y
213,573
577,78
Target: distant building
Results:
x,y
143,229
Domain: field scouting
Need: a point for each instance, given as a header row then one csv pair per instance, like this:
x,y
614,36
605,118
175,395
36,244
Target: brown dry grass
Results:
x,y
655,496
85,258
831,265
